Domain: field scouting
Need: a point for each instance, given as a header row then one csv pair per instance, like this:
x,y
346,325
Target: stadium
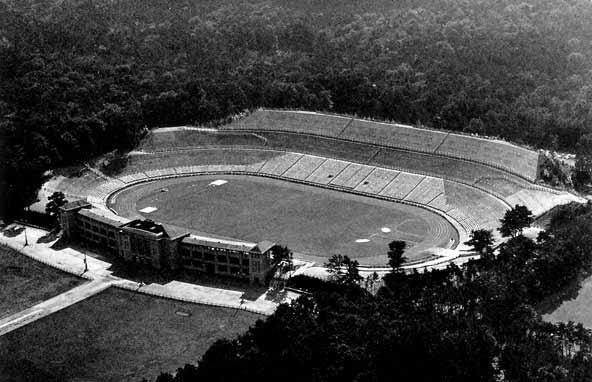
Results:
x,y
321,184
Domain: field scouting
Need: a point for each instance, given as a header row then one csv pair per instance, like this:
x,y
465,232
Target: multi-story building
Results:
x,y
164,246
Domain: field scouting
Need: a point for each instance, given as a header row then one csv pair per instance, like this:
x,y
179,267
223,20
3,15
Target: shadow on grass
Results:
x,y
554,301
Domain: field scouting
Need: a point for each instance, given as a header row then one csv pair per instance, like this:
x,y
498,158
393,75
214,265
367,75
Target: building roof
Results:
x,y
219,243
156,229
175,232
104,217
147,226
74,205
264,246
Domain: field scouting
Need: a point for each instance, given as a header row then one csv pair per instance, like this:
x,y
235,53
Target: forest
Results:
x,y
79,78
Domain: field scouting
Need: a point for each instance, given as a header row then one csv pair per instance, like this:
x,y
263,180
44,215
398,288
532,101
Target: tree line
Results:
x,y
80,78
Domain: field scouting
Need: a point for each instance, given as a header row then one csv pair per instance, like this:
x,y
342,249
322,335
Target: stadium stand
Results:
x,y
304,167
500,154
399,136
327,171
164,139
377,180
539,201
293,121
327,147
279,165
426,191
441,203
403,185
495,153
352,175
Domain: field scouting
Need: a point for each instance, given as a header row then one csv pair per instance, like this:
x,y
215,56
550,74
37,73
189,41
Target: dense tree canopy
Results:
x,y
79,77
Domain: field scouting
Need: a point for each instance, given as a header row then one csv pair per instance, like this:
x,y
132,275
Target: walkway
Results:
x,y
72,261
47,307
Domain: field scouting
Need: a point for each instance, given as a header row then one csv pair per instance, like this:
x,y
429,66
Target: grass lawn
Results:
x,y
307,219
576,305
25,282
116,335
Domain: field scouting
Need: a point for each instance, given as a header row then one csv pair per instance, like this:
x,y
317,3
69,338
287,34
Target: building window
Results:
x,y
222,268
221,258
209,256
234,260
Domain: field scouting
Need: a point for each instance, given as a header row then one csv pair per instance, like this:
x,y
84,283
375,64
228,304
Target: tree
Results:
x,y
343,270
282,254
515,220
352,272
481,240
370,282
56,200
396,254
582,172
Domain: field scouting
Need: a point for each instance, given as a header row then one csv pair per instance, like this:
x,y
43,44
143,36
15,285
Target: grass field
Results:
x,y
116,336
25,282
309,220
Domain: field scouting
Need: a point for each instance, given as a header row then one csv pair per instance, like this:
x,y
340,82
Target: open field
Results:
x,y
116,336
309,220
25,282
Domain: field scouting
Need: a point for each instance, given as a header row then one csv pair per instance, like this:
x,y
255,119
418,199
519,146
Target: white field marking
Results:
x,y
148,210
218,182
362,241
385,229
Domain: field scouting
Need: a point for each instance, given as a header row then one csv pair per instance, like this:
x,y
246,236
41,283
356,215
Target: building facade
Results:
x,y
165,247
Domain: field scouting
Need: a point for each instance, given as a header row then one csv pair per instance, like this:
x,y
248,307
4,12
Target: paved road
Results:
x,y
47,307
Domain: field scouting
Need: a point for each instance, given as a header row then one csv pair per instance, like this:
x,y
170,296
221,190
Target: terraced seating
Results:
x,y
482,207
392,135
77,187
402,186
352,175
536,201
182,137
293,121
279,164
513,158
327,171
304,167
426,191
441,203
378,179
183,170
